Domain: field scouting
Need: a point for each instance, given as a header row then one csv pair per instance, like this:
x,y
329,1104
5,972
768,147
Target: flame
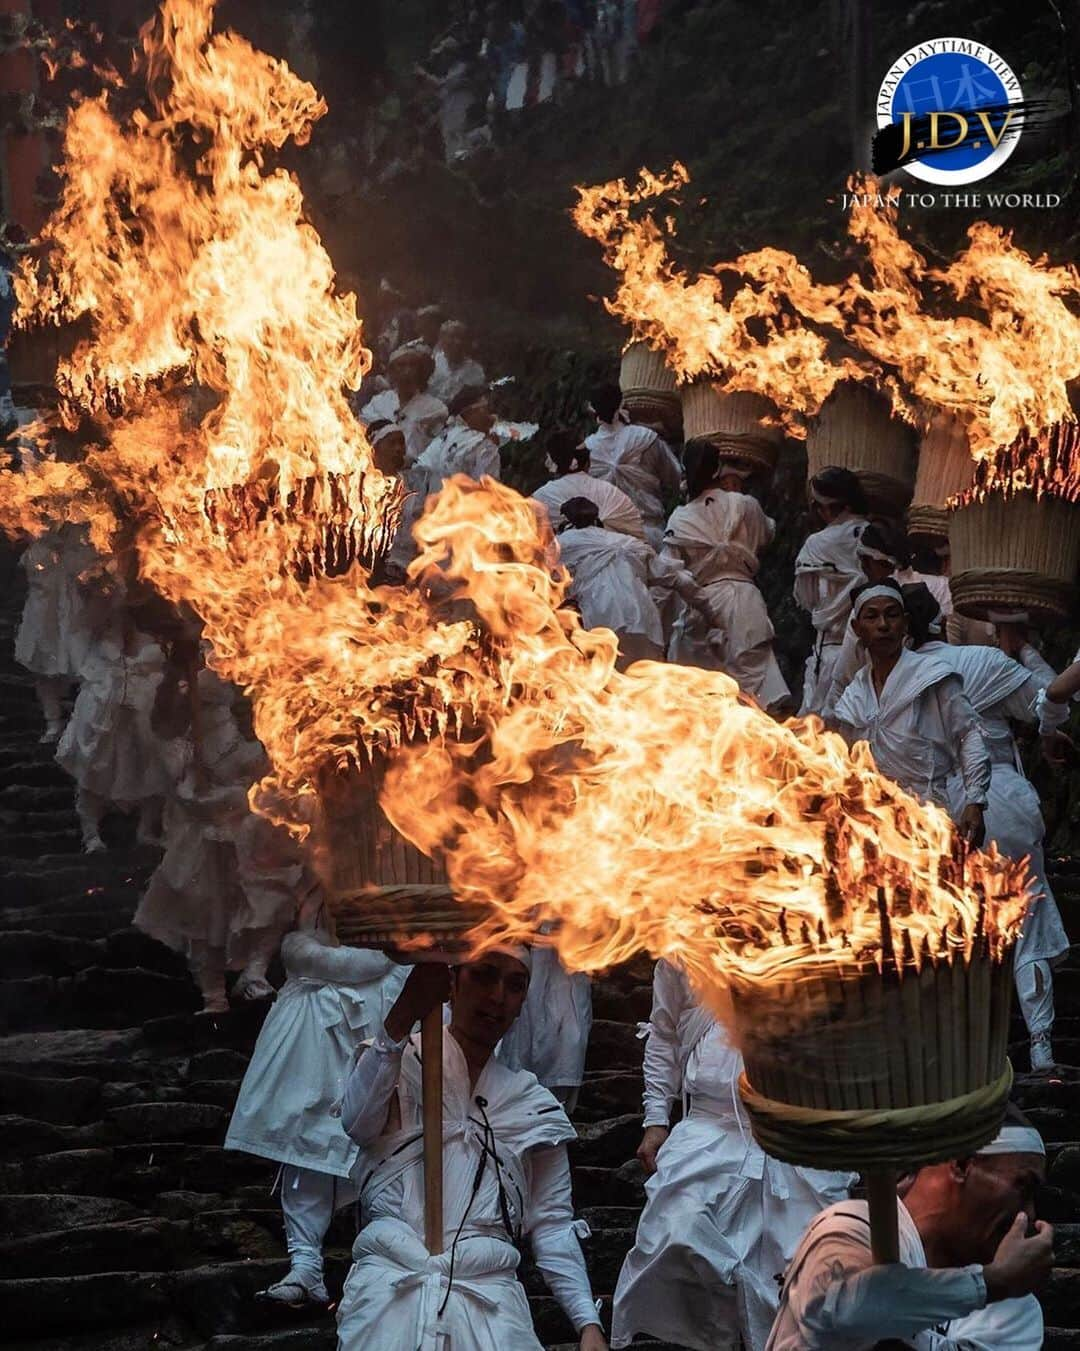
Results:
x,y
657,810
762,323
1046,464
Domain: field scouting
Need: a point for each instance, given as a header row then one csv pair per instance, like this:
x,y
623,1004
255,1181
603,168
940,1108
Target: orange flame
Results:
x,y
762,323
657,810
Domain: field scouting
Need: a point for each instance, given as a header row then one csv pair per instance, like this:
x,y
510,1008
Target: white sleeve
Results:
x,y
663,1078
369,1088
1037,664
1015,1324
1022,705
838,1293
554,1234
303,955
1052,716
962,730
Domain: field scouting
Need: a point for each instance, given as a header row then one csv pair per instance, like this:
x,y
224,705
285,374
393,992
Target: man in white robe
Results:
x,y
551,1035
464,446
407,403
333,998
505,1174
635,459
827,571
882,553
717,537
455,370
721,1218
1003,691
971,1254
571,478
611,576
914,714
60,618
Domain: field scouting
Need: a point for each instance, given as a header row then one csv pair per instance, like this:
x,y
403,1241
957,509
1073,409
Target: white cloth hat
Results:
x,y
1015,1139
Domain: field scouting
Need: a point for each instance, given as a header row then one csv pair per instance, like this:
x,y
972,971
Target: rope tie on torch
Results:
x,y
878,1137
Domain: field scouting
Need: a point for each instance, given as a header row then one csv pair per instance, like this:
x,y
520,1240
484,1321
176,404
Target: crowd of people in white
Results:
x,y
332,1091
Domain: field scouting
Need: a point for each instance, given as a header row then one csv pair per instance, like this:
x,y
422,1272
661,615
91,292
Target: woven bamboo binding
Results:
x,y
419,918
859,1068
644,368
1018,552
855,430
355,848
742,425
945,469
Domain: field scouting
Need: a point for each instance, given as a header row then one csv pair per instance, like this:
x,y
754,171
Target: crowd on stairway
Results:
x,y
661,543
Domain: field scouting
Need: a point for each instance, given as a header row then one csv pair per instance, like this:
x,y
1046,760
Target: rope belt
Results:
x,y
878,1137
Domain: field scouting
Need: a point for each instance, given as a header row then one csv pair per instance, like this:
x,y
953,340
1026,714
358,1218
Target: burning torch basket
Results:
x,y
855,430
382,892
860,1069
945,470
648,387
1015,553
743,426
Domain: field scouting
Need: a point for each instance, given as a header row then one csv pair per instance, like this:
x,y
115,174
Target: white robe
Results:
x,y
108,746
1001,689
421,419
448,381
636,460
551,1035
395,1286
56,631
617,511
721,1218
333,999
611,574
827,570
456,450
835,1300
227,880
921,730
718,537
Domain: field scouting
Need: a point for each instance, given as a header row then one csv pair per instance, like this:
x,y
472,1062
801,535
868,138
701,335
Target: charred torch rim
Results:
x,y
878,1137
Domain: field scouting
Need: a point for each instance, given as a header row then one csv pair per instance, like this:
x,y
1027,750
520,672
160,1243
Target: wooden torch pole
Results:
x,y
431,1062
884,1233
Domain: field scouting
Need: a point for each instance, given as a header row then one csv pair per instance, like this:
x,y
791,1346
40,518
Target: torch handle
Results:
x,y
884,1231
431,1062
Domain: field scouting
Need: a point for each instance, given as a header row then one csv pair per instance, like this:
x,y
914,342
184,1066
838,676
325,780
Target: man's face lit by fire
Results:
x,y
881,626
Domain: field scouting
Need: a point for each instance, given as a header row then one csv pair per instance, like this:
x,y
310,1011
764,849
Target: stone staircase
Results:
x,y
125,1225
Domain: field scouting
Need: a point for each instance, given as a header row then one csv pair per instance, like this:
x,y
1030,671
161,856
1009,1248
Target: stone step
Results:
x,y
1061,1298
137,1173
36,1213
311,1337
613,1046
56,1305
24,953
100,1053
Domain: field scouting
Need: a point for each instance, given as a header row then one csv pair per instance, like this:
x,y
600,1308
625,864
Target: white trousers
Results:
x,y
308,1202
1035,991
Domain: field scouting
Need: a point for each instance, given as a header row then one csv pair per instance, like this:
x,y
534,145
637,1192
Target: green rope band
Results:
x,y
877,1137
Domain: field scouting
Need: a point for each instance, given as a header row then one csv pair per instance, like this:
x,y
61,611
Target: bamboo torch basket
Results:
x,y
856,430
879,1068
648,387
945,470
382,892
1015,553
742,425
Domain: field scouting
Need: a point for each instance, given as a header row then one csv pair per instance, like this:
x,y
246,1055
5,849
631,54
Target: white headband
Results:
x,y
388,430
1007,616
1015,1140
518,951
876,593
